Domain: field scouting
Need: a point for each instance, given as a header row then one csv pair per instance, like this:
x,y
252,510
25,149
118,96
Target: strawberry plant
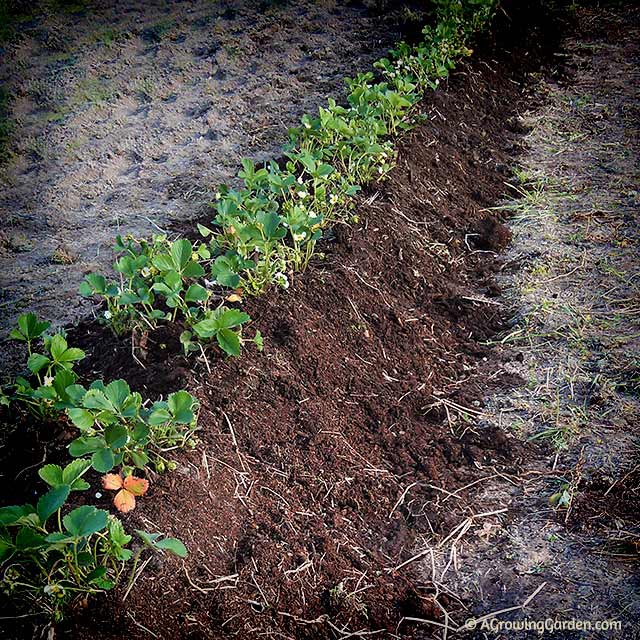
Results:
x,y
51,566
156,282
115,429
50,367
164,281
158,542
222,324
269,228
115,426
83,552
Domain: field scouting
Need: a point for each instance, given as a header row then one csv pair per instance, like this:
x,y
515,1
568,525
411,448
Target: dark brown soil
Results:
x,y
292,506
602,505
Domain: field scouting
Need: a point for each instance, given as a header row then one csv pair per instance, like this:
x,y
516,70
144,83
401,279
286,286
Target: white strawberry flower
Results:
x,y
282,280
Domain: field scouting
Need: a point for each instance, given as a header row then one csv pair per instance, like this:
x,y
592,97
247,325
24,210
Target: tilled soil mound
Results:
x,y
320,459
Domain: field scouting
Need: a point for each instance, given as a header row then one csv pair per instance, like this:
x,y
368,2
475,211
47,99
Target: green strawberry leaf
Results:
x,y
196,293
51,474
103,460
51,501
85,521
173,545
83,446
229,341
81,418
232,318
36,362
75,470
116,435
182,405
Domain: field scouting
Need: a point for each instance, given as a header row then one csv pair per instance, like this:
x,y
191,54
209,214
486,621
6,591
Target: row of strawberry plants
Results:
x,y
268,228
262,233
50,553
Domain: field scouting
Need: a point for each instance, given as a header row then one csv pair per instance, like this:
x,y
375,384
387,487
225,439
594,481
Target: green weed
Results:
x,y
94,91
156,32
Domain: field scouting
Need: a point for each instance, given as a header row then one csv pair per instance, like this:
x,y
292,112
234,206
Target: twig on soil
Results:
x,y
401,498
225,464
135,577
519,607
565,275
369,201
449,406
355,309
483,300
275,493
422,554
32,466
307,564
204,357
409,220
363,360
325,619
454,494
367,284
233,576
459,407
477,621
368,466
456,534
447,493
235,443
425,621
141,625
606,493
253,577
205,464
155,224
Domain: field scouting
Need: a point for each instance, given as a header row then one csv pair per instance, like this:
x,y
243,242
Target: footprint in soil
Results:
x,y
199,110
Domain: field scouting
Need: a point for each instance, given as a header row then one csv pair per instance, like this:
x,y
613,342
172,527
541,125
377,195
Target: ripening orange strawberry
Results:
x,y
128,488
